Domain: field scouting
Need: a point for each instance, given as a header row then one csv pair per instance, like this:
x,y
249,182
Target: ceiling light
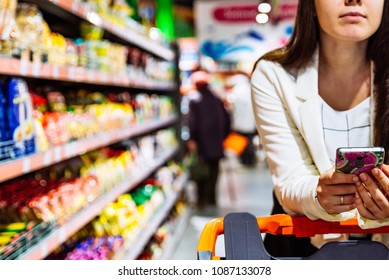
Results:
x,y
264,8
262,18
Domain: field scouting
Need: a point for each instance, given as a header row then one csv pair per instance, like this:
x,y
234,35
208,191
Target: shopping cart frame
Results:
x,y
243,239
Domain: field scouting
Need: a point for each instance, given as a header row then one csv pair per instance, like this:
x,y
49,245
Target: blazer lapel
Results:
x,y
310,116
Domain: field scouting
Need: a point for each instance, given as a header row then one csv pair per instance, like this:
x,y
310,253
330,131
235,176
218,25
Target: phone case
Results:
x,y
359,160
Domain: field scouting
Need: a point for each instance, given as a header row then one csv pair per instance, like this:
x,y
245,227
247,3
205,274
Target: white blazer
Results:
x,y
287,114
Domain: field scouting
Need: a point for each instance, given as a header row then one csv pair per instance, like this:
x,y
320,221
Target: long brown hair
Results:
x,y
302,46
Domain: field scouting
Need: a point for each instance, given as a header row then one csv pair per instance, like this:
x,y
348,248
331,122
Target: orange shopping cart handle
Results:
x,y
282,224
301,226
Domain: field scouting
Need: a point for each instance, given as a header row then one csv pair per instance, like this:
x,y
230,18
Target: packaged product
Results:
x,y
53,124
3,120
7,24
20,117
30,23
56,101
41,141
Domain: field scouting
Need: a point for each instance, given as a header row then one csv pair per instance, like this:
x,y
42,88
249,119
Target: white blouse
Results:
x,y
350,128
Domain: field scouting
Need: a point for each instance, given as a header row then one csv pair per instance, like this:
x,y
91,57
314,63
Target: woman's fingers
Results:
x,y
339,203
363,211
382,178
336,191
385,169
373,198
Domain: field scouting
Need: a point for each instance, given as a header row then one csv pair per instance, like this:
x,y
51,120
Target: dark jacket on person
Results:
x,y
209,124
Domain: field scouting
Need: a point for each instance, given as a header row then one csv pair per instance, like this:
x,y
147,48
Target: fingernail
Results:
x,y
363,176
355,179
375,171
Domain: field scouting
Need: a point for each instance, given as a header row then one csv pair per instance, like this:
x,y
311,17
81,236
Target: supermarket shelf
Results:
x,y
28,69
13,168
131,36
179,231
81,218
144,234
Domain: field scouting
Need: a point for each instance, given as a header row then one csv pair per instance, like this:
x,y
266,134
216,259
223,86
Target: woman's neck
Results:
x,y
343,71
343,58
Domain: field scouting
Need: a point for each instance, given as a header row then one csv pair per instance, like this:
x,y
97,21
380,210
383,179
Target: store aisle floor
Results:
x,y
240,189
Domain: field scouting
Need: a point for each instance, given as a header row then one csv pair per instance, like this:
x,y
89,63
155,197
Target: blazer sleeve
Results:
x,y
294,174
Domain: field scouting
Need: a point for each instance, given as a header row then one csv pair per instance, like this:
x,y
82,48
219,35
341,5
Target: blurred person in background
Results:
x,y
242,116
327,88
209,125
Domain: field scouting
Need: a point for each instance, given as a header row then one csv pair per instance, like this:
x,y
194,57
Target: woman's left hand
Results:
x,y
373,192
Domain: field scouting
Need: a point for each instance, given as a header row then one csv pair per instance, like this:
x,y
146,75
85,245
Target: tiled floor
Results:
x,y
239,190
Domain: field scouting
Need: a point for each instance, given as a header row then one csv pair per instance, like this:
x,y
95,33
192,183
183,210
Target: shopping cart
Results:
x,y
243,239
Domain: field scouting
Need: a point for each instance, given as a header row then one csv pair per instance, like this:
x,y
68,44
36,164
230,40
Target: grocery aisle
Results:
x,y
253,193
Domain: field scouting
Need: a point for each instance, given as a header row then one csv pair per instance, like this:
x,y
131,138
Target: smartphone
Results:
x,y
356,160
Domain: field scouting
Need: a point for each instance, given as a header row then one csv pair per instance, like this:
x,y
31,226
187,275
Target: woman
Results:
x,y
329,87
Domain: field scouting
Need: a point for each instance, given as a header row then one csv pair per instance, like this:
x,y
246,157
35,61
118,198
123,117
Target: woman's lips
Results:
x,y
352,15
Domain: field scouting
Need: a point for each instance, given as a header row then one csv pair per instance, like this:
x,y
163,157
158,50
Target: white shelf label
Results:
x,y
44,249
70,150
57,154
24,67
47,158
104,78
36,68
62,235
71,73
91,76
55,71
26,165
74,7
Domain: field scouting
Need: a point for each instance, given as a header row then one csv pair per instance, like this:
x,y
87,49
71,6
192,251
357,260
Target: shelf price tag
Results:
x,y
106,139
36,68
57,154
24,66
70,149
44,249
26,165
91,76
62,235
104,78
47,158
71,73
55,71
74,7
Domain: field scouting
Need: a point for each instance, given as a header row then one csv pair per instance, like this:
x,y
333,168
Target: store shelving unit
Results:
x,y
72,7
37,71
135,246
80,219
28,69
14,168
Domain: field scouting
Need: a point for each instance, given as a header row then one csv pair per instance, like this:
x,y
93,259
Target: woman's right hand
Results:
x,y
336,191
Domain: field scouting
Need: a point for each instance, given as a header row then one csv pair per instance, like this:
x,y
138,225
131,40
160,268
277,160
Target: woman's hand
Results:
x,y
373,192
336,191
